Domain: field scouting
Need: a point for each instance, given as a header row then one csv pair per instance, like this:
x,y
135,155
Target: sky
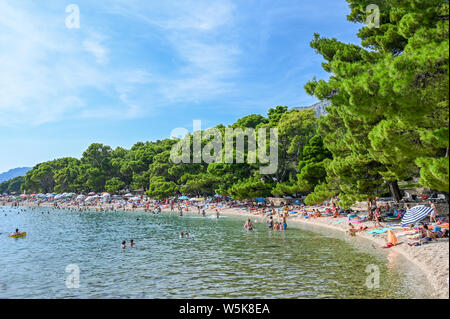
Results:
x,y
135,70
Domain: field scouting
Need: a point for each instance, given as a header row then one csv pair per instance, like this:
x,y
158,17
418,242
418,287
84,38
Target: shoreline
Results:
x,y
435,264
432,259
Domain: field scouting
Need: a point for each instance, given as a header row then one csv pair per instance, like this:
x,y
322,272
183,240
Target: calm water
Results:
x,y
220,260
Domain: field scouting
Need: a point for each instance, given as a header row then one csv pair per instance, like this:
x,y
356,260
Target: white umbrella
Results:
x,y
129,195
416,214
81,197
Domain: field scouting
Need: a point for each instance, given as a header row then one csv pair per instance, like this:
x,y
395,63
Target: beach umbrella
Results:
x,y
106,195
128,195
69,195
183,197
416,214
59,196
91,193
80,197
23,195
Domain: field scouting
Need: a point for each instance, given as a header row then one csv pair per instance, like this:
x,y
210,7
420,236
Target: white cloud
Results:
x,y
94,46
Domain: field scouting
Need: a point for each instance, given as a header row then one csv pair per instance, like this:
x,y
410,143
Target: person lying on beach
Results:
x,y
426,236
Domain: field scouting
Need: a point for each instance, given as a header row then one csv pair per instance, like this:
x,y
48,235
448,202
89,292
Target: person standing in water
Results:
x,y
124,244
248,225
131,243
284,223
270,222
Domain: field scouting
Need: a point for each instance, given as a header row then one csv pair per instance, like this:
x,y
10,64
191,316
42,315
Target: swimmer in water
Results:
x,y
248,225
131,243
124,244
186,235
16,232
181,235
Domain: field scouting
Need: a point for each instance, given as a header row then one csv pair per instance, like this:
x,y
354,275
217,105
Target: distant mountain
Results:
x,y
318,107
19,171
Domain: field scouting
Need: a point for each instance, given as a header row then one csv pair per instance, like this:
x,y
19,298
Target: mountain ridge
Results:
x,y
14,172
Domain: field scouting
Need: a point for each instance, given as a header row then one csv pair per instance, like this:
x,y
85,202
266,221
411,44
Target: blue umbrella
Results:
x,y
183,197
416,214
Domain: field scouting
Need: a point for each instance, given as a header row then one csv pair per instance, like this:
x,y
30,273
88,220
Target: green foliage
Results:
x,y
389,113
13,185
114,184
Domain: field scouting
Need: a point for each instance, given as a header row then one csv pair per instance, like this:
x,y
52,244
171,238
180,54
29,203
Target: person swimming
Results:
x,y
124,244
181,235
186,235
131,243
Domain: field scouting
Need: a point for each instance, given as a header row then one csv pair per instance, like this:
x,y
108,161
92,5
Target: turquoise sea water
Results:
x,y
220,260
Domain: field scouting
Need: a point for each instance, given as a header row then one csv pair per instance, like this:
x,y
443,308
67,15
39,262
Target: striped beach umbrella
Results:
x,y
416,214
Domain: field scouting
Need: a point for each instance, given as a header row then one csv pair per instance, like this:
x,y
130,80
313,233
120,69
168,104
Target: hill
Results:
x,y
19,171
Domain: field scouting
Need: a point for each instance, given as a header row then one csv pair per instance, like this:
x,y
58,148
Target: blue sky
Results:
x,y
135,70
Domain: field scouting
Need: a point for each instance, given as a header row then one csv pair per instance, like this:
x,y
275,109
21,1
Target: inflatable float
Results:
x,y
18,235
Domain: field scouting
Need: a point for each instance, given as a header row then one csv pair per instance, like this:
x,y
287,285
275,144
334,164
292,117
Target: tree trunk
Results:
x,y
395,191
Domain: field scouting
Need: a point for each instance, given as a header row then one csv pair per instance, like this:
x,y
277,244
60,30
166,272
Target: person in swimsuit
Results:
x,y
248,225
270,222
124,244
284,224
433,213
131,243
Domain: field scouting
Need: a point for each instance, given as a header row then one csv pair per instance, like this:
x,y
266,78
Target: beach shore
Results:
x,y
432,258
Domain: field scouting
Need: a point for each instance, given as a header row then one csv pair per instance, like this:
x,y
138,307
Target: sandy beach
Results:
x,y
432,258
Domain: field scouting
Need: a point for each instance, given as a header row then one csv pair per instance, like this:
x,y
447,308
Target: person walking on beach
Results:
x,y
433,213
